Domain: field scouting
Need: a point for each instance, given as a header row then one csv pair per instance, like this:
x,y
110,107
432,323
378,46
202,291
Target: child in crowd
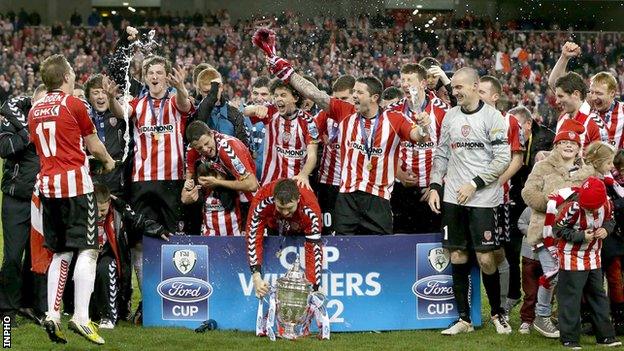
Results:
x,y
531,272
601,156
577,231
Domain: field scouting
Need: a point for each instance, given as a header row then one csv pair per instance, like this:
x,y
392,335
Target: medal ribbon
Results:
x,y
608,115
407,110
161,108
369,140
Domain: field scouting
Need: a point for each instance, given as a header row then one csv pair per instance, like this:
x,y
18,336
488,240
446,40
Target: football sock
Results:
x,y
137,262
57,277
84,278
503,270
461,286
491,282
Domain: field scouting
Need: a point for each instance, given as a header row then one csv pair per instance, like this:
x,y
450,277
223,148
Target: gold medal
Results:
x,y
369,166
157,136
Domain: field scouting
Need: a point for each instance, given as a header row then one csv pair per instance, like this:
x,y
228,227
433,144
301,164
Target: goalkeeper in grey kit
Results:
x,y
473,152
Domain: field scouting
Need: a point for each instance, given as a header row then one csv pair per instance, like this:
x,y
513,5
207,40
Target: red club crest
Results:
x,y
487,235
465,130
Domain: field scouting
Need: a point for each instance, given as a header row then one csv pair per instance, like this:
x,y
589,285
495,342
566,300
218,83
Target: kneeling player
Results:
x,y
115,218
290,209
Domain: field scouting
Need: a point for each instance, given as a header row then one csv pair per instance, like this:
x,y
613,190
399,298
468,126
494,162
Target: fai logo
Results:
x,y
465,130
184,260
439,259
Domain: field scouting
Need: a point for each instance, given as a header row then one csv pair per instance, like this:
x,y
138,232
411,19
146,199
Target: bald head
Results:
x,y
465,83
469,74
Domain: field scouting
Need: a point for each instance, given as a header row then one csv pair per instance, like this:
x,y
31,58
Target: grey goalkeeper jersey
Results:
x,y
472,146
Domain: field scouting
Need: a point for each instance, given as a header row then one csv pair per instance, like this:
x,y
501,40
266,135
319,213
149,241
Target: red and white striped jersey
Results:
x,y
329,169
286,142
515,136
305,221
374,174
218,221
585,255
158,143
588,120
417,158
613,124
58,124
232,155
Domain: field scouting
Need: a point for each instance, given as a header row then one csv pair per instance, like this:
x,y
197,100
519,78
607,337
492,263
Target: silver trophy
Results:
x,y
293,291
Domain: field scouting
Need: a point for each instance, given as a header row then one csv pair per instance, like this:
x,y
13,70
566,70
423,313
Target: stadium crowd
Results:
x,y
315,150
323,47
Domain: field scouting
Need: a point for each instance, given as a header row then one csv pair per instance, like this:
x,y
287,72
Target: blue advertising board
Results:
x,y
395,282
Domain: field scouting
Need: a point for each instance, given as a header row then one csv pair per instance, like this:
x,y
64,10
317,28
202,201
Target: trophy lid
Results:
x,y
294,275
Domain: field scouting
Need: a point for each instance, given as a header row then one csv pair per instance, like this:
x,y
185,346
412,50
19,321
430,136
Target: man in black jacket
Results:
x,y
107,116
20,289
116,220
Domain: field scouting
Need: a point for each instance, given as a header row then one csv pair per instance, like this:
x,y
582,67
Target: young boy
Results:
x,y
584,221
531,271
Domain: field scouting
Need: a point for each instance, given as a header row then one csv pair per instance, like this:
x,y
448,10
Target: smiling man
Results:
x,y
286,209
290,150
571,91
472,153
158,120
107,116
601,97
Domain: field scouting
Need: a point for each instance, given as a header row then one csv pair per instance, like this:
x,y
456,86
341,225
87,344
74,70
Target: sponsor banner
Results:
x,y
393,282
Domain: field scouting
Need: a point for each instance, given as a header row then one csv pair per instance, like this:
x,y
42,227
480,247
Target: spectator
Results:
x,y
94,18
75,19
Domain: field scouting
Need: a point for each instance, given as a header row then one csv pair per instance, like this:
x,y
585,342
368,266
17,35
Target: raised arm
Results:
x,y
176,79
568,51
264,39
309,91
208,103
112,91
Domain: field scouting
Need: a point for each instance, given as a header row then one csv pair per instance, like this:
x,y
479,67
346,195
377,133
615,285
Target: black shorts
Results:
x,y
360,213
327,195
466,228
70,223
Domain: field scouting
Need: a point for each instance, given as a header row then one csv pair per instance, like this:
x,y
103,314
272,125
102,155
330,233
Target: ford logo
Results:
x,y
184,289
434,288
